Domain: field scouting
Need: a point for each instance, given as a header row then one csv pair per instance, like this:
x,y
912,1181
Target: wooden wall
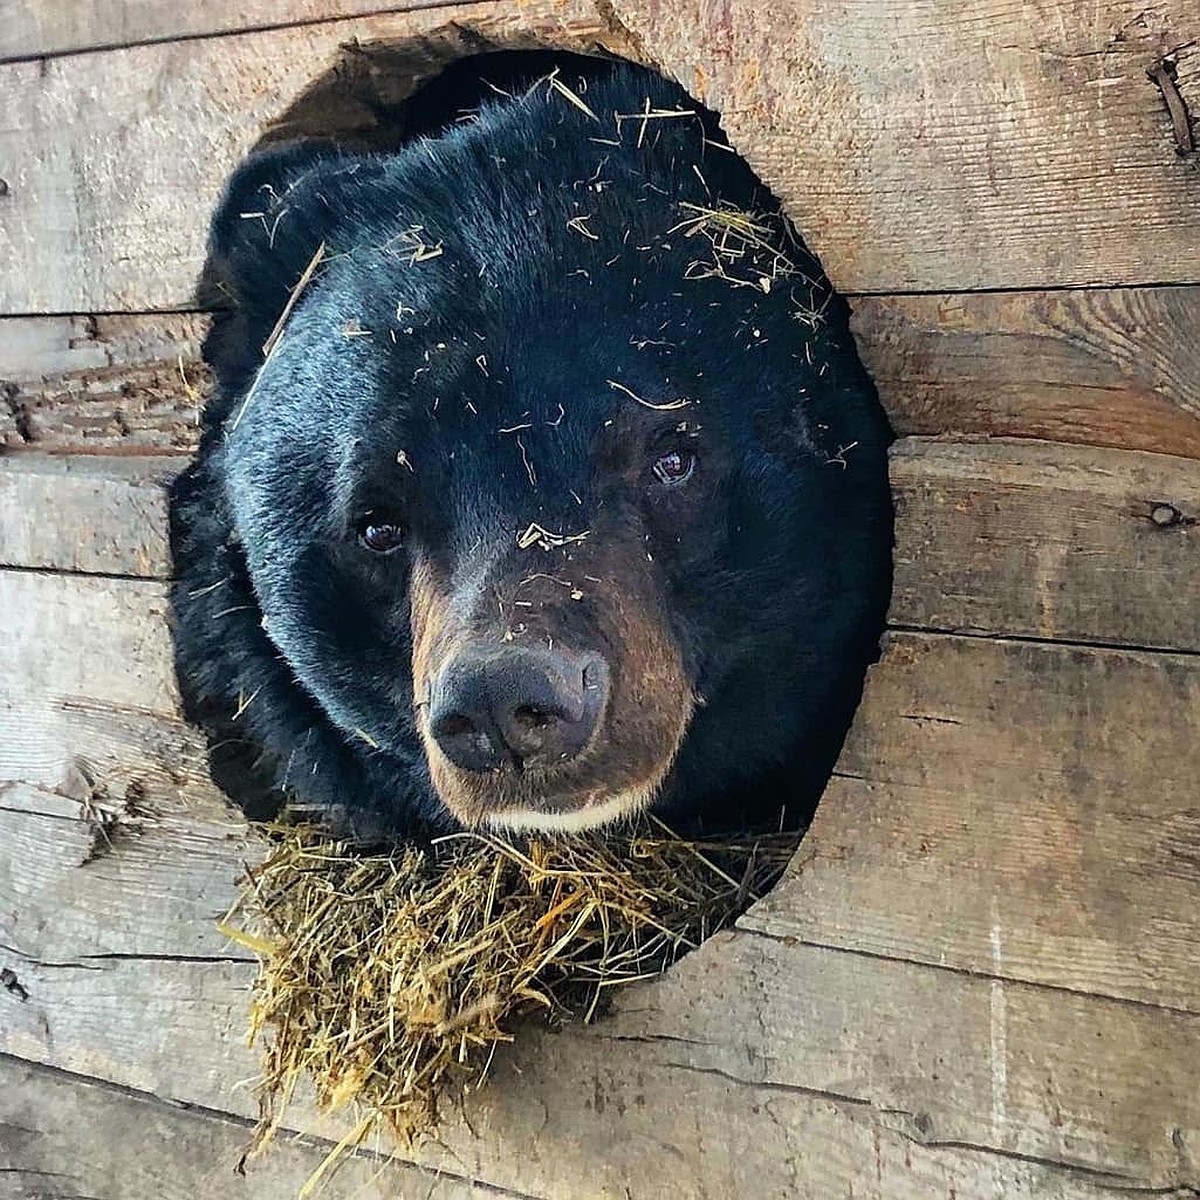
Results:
x,y
981,978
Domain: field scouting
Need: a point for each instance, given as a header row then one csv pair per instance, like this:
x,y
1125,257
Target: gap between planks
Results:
x,y
179,23
185,1137
999,291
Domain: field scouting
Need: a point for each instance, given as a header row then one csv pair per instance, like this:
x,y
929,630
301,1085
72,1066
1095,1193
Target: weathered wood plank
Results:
x,y
689,1131
976,523
1111,367
1048,541
1018,810
989,1066
108,204
170,1026
35,29
856,117
81,880
779,1044
935,147
112,384
940,1056
88,701
106,516
62,1138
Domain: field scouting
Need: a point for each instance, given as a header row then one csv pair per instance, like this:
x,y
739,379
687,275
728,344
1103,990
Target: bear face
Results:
x,y
541,482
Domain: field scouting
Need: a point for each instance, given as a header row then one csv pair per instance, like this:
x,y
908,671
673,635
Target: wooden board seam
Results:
x,y
746,926
1030,639
1011,290
68,573
83,962
383,10
193,310
207,1113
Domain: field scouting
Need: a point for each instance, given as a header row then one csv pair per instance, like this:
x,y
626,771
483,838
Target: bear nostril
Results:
x,y
532,733
468,740
454,725
532,717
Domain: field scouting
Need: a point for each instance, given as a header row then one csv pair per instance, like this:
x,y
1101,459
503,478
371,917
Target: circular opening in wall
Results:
x,y
542,509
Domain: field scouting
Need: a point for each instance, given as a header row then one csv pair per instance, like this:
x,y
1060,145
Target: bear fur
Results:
x,y
509,326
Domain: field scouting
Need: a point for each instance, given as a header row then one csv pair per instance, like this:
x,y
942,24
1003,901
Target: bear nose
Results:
x,y
518,706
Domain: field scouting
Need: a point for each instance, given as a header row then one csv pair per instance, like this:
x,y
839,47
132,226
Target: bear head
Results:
x,y
541,482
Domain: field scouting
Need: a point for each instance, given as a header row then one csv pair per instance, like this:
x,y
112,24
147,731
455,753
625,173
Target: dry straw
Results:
x,y
388,980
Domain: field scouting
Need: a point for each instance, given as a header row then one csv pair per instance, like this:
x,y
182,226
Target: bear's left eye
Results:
x,y
379,534
674,467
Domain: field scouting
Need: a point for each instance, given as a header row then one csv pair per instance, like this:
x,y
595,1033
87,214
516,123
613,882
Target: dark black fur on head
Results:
x,y
510,324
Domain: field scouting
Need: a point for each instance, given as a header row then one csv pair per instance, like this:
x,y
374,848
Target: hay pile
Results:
x,y
389,979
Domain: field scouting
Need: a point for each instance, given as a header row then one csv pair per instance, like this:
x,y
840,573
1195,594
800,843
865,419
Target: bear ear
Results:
x,y
277,209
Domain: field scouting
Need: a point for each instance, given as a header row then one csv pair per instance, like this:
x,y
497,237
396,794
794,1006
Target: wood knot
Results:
x,y
1165,515
12,984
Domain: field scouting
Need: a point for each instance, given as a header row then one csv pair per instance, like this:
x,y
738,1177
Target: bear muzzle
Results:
x,y
554,713
519,707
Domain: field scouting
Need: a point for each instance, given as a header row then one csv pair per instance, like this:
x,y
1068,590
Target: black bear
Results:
x,y
541,482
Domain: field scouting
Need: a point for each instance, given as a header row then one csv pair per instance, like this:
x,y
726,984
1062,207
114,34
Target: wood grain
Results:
x,y
106,384
941,147
940,1056
63,1137
1016,810
108,204
88,701
35,29
71,867
1047,541
1110,367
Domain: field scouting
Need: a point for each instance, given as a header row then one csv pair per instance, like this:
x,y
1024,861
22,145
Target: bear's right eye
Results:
x,y
380,534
